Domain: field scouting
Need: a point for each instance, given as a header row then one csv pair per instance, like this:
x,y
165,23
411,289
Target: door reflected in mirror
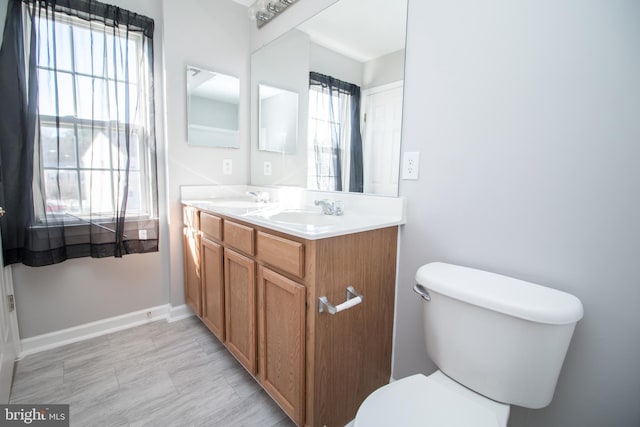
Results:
x,y
212,108
278,120
355,54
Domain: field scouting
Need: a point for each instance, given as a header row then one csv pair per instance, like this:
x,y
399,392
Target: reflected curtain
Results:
x,y
77,140
334,132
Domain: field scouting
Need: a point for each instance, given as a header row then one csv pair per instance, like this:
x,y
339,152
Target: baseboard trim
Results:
x,y
178,313
102,327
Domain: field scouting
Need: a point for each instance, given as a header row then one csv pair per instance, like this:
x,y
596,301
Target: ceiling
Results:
x,y
360,29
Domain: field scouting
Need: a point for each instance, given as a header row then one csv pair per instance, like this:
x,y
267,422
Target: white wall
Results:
x,y
386,69
326,61
527,118
84,290
214,35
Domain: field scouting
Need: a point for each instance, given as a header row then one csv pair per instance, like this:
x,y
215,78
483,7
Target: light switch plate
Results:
x,y
410,165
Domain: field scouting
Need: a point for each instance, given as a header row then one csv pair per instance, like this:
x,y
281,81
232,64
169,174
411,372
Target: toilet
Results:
x,y
497,341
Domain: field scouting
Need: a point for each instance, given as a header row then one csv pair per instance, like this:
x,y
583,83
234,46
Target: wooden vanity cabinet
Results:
x,y
318,367
349,353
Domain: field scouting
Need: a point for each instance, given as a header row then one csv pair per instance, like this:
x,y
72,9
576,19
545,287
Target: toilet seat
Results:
x,y
433,401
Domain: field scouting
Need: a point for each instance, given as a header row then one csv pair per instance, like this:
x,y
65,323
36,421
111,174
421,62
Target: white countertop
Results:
x,y
361,213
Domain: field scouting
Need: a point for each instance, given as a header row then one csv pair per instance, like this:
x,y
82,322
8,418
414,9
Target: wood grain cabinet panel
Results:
x,y
191,217
191,248
240,308
285,254
352,348
213,287
281,304
211,226
239,236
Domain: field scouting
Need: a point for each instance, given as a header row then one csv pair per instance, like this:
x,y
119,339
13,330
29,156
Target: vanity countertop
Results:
x,y
305,221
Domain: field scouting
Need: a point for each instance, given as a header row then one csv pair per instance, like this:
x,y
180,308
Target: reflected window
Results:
x,y
334,154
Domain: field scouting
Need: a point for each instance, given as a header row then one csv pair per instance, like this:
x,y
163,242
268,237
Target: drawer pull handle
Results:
x,y
353,299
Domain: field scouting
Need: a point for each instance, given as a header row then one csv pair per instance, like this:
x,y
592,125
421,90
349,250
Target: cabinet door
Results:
x,y
212,287
240,308
281,303
191,249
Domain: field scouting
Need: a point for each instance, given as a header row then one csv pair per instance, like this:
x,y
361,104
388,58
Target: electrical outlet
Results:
x,y
142,234
227,167
267,169
410,165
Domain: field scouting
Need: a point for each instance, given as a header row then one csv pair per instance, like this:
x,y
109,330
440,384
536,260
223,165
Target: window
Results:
x,y
89,137
327,159
77,137
334,159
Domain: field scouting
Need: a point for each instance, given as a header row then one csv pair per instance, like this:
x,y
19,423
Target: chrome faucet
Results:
x,y
259,196
329,207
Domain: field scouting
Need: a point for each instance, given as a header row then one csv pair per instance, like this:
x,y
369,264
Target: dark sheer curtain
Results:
x,y
77,141
338,108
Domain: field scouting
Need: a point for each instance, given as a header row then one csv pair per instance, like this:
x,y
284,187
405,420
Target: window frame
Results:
x,y
143,69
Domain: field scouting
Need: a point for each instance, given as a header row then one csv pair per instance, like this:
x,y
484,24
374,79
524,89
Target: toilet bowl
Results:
x,y
429,401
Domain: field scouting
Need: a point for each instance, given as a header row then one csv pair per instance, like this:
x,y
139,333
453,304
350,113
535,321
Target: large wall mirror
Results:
x,y
212,108
346,66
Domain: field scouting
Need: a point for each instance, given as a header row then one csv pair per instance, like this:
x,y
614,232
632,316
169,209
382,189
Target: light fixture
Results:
x,y
263,11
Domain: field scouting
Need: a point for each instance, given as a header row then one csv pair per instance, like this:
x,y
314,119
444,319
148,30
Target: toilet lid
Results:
x,y
422,401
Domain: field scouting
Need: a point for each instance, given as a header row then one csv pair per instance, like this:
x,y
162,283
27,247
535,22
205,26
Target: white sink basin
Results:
x,y
301,217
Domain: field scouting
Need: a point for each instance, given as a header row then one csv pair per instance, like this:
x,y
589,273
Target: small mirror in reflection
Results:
x,y
212,109
278,120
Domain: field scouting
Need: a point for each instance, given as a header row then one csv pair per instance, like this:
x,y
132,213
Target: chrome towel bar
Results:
x,y
353,299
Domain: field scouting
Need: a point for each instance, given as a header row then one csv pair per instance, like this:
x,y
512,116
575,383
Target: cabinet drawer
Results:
x,y
281,253
191,217
239,236
211,226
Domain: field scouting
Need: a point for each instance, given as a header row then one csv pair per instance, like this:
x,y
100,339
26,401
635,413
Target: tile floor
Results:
x,y
160,374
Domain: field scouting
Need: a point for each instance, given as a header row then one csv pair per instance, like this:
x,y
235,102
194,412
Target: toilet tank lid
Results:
x,y
502,294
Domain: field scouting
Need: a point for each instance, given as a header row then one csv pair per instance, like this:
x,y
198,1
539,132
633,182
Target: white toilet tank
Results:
x,y
501,337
